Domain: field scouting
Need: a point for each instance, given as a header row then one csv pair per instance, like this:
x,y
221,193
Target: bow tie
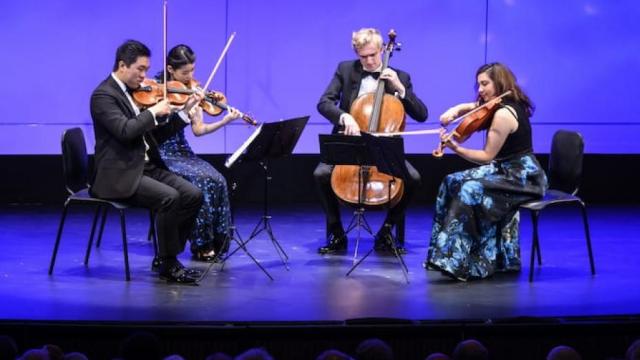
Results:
x,y
375,75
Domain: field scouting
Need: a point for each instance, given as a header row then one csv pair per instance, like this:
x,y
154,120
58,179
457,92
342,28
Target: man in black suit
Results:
x,y
351,80
127,163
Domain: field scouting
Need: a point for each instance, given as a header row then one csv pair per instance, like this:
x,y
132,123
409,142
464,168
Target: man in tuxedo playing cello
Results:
x,y
351,80
127,163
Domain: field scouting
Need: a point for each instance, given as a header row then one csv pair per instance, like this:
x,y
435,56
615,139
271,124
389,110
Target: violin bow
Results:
x,y
215,68
164,48
414,132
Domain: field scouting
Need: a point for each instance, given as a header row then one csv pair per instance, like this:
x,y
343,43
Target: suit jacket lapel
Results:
x,y
355,78
122,96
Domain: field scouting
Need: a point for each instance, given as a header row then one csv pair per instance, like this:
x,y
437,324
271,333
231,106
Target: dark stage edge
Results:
x,y
314,306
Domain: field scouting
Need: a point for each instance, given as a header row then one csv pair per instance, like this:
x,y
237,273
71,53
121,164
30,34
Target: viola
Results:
x,y
471,122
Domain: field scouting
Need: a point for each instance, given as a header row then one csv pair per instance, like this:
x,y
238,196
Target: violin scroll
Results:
x,y
215,102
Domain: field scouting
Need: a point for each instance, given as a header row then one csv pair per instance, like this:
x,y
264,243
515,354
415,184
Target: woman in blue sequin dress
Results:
x,y
208,238
475,225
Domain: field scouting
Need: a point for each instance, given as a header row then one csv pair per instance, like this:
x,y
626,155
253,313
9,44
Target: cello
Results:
x,y
376,112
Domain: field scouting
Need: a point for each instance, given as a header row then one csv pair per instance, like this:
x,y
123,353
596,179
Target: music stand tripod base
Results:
x,y
269,141
386,153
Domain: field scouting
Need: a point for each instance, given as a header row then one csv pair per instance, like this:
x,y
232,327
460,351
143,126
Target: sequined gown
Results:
x,y
212,222
476,221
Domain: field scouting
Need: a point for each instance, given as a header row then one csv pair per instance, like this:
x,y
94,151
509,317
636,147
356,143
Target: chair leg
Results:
x,y
104,219
534,242
93,231
588,237
153,233
58,236
123,227
152,230
538,247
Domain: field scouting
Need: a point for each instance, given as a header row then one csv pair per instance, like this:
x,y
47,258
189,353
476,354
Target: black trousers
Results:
x,y
329,201
176,203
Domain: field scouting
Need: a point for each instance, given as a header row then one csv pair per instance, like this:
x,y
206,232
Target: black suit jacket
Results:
x,y
343,90
119,151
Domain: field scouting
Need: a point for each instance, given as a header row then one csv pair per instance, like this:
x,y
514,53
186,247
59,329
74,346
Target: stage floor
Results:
x,y
315,289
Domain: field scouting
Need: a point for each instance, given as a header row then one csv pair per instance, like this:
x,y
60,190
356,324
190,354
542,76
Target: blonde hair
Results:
x,y
365,36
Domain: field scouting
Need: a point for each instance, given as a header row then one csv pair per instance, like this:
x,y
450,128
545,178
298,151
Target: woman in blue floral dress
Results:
x,y
208,238
475,225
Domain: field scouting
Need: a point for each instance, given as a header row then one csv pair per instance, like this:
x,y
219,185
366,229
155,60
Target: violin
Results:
x,y
471,122
151,92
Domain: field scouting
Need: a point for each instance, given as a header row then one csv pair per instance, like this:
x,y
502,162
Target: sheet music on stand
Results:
x,y
236,154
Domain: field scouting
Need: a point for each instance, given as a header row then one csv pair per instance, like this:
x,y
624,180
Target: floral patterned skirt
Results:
x,y
475,225
214,218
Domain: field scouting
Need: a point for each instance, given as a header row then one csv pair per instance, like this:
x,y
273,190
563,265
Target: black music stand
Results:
x,y
269,141
348,150
387,154
234,235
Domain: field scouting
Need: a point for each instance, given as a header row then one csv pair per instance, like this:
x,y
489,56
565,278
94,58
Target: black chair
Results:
x,y
75,171
564,175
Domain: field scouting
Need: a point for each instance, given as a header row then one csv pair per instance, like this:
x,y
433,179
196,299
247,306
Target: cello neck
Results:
x,y
374,121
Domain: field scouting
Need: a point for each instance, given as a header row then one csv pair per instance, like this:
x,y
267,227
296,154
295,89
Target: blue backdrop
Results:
x,y
578,60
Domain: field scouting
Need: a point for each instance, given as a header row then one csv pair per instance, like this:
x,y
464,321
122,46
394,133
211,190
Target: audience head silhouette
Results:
x,y
35,354
470,350
563,352
254,354
374,349
438,356
55,352
633,352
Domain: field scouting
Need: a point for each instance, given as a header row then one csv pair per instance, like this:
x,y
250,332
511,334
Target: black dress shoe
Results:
x,y
195,273
336,244
384,242
177,274
157,264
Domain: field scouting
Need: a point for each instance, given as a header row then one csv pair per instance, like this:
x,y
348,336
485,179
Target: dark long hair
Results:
x,y
179,56
503,80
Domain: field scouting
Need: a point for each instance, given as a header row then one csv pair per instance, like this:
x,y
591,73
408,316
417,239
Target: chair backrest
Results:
x,y
75,162
565,161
